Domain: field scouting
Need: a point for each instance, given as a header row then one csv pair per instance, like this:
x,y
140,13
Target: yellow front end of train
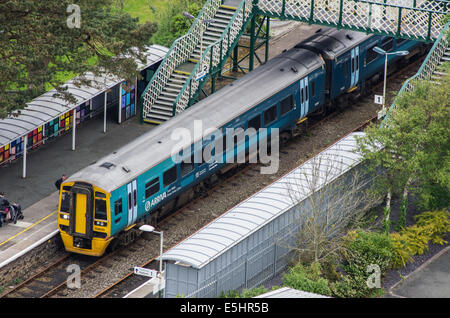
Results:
x,y
84,218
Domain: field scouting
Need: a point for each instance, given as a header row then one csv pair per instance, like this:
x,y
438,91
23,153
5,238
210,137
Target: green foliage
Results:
x,y
401,223
414,240
307,278
362,250
172,24
38,48
246,293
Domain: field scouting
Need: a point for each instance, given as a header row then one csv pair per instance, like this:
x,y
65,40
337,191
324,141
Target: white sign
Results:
x,y
379,99
203,73
145,272
381,113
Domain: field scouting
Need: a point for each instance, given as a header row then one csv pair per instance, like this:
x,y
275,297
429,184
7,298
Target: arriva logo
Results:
x,y
154,201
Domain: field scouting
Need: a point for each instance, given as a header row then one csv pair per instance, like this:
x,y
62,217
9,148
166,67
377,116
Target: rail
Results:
x,y
214,55
179,52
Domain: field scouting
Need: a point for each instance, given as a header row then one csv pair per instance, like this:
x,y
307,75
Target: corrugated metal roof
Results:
x,y
259,209
45,108
287,292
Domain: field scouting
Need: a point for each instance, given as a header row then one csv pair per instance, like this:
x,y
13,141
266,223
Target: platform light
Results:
x,y
150,229
386,54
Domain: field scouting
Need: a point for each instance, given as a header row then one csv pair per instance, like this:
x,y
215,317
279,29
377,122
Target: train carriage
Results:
x,y
144,179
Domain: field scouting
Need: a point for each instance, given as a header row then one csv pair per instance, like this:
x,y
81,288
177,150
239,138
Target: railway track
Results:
x,y
112,275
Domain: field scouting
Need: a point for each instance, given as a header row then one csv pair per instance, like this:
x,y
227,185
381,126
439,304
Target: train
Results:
x,y
100,205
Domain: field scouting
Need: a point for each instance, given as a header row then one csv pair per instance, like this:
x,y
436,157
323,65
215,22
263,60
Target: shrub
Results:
x,y
307,278
414,240
362,249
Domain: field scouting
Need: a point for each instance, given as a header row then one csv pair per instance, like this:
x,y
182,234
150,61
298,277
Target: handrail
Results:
x,y
214,54
413,19
178,53
426,69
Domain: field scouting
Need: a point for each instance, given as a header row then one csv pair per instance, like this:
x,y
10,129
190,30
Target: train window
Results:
x,y
255,122
170,176
118,207
100,209
287,105
371,55
357,62
187,167
400,42
100,195
346,68
151,187
353,65
306,92
302,96
313,89
387,44
65,201
270,115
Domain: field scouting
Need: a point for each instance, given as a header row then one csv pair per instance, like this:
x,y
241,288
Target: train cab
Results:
x,y
83,218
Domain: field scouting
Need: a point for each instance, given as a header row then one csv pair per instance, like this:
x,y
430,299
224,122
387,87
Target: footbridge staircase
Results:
x,y
215,33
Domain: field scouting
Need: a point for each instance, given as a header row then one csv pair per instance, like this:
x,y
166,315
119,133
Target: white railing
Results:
x,y
179,53
214,54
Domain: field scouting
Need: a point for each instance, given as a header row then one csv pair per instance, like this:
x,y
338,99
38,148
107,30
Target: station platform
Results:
x,y
37,193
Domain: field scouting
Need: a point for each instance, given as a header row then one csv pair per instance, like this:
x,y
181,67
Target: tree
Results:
x,y
415,154
42,43
333,200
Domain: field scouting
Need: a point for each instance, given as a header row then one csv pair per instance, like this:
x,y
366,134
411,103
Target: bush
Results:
x,y
414,240
307,278
362,250
172,24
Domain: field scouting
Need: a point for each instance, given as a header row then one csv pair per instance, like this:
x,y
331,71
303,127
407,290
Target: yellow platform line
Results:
x,y
31,226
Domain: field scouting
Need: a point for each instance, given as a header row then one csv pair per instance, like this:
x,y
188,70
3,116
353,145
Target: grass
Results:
x,y
145,10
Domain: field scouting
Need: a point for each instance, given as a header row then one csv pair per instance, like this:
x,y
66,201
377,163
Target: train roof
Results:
x,y
332,42
215,111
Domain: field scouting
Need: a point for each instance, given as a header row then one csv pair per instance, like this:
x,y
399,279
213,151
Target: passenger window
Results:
x,y
287,105
270,115
118,207
387,44
187,167
371,55
255,122
151,188
302,96
357,62
65,201
353,65
100,209
170,176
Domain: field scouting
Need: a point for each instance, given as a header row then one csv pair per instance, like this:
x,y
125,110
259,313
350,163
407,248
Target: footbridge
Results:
x,y
201,54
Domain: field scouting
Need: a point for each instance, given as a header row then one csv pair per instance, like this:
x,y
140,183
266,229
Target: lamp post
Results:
x,y
150,229
381,52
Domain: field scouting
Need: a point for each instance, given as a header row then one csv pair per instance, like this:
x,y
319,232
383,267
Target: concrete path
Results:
x,y
431,280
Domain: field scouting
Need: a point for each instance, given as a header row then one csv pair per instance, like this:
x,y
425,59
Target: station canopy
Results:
x,y
46,107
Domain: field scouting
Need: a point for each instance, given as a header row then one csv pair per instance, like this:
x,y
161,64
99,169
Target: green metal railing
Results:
x,y
179,53
214,56
411,19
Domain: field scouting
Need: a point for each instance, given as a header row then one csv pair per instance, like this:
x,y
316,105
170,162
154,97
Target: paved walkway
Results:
x,y
432,280
37,193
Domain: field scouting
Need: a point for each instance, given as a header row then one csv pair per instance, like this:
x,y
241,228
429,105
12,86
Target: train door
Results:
x,y
132,202
81,215
304,97
355,66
